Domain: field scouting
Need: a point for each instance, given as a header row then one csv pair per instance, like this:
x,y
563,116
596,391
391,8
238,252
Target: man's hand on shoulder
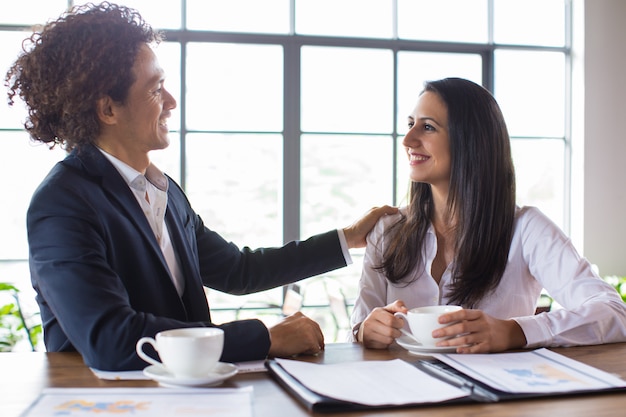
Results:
x,y
357,232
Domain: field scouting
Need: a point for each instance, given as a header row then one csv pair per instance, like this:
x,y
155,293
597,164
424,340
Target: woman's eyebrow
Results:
x,y
425,119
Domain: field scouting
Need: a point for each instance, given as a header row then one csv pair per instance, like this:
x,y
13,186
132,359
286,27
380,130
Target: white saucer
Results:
x,y
416,348
221,372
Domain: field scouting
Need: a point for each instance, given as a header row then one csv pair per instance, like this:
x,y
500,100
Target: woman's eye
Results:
x,y
411,124
429,127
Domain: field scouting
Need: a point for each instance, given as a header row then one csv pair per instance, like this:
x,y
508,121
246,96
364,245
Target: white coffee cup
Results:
x,y
186,352
423,321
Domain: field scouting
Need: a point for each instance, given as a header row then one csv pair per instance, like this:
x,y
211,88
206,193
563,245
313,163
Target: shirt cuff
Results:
x,y
535,336
344,247
357,333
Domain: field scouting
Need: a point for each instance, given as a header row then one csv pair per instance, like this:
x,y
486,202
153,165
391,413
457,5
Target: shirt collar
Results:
x,y
136,179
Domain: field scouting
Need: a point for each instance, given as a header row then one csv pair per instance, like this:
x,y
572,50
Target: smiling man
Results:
x,y
132,128
116,251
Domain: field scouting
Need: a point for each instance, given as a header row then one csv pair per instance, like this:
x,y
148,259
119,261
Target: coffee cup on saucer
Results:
x,y
186,352
423,321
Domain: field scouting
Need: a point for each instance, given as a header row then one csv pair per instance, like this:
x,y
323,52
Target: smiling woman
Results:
x,y
463,241
427,142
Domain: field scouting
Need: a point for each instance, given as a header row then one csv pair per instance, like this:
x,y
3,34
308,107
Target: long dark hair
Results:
x,y
481,198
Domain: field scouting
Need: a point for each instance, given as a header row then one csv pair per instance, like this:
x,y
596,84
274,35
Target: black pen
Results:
x,y
458,381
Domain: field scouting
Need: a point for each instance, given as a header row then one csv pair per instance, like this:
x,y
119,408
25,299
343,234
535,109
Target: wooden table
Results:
x,y
23,375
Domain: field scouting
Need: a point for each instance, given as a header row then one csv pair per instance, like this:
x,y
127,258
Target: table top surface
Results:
x,y
24,375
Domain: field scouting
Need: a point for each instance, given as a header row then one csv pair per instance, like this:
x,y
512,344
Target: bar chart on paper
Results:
x,y
539,371
152,402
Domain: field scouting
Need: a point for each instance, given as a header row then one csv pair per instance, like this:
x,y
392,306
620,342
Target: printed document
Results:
x,y
372,383
149,402
540,371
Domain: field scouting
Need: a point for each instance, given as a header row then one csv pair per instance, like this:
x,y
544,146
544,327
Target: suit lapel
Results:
x,y
97,166
193,297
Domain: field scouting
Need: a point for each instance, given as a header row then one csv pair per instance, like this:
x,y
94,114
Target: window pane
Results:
x,y
264,306
29,163
234,182
356,18
234,87
168,159
11,117
31,12
539,173
158,14
416,67
253,16
343,177
529,22
402,173
443,20
530,88
347,90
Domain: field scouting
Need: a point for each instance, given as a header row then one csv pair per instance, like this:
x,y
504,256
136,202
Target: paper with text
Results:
x,y
373,383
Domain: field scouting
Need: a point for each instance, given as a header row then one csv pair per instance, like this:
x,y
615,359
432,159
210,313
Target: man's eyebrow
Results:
x,y
156,80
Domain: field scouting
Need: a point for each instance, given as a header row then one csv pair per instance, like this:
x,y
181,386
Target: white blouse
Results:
x,y
541,256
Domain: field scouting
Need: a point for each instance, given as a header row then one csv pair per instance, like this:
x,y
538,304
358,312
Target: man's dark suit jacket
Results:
x,y
102,281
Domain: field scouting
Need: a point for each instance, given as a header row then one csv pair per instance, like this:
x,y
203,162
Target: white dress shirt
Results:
x,y
541,256
150,190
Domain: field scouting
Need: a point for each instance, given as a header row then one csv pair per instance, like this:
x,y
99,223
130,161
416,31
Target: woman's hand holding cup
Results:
x,y
423,321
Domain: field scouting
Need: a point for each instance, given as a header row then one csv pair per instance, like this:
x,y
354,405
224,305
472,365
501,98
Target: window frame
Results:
x,y
292,131
292,43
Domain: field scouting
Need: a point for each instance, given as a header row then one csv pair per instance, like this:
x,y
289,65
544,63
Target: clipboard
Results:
x,y
315,402
477,391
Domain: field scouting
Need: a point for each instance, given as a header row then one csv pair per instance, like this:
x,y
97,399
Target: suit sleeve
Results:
x,y
243,271
225,267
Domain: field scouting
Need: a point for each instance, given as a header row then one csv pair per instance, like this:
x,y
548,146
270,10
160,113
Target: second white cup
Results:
x,y
186,352
423,321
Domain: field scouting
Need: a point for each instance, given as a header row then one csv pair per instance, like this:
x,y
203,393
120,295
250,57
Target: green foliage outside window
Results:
x,y
14,325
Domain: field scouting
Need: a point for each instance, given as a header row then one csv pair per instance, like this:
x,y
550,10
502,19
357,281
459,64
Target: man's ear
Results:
x,y
105,109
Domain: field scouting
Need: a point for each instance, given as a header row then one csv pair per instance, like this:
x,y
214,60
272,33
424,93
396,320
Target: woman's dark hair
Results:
x,y
74,61
481,198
